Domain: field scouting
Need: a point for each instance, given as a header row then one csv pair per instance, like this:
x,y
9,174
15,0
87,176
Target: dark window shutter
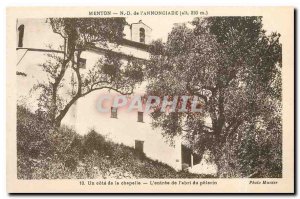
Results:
x,y
139,146
142,35
21,35
114,112
140,117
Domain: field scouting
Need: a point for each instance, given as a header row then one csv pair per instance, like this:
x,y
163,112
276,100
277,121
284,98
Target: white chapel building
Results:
x,y
132,129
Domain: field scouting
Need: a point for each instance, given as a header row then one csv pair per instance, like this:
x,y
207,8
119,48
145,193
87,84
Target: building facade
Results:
x,y
35,39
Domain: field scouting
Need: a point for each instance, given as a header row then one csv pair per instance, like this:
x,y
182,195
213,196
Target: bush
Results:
x,y
94,142
60,153
31,134
257,154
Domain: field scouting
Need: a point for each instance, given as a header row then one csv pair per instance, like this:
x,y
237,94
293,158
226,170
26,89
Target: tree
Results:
x,y
234,67
109,72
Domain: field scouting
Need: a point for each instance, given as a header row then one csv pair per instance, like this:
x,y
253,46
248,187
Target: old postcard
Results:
x,y
150,100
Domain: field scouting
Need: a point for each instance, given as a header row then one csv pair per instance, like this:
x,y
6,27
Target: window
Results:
x,y
82,63
20,35
142,35
139,146
114,112
140,117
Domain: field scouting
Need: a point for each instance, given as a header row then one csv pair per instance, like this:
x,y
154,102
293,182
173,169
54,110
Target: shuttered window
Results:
x,y
140,117
114,112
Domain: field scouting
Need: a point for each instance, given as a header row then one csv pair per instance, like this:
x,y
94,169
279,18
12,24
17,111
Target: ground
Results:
x,y
60,153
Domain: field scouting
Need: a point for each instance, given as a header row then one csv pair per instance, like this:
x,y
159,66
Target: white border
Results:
x,y
4,4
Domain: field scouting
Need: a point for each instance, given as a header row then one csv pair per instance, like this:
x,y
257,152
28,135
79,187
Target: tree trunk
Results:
x,y
63,112
53,103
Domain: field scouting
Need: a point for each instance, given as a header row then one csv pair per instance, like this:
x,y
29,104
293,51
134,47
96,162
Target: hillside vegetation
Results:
x,y
48,153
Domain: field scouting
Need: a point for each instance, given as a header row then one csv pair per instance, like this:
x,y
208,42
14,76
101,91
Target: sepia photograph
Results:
x,y
131,95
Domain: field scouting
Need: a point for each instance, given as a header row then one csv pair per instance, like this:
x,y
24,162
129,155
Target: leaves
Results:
x,y
110,72
235,68
47,153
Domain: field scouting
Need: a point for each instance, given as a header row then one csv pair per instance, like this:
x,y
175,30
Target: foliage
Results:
x,y
31,134
48,153
67,81
234,68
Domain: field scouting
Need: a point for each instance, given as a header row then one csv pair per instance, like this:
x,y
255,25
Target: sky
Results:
x,y
162,25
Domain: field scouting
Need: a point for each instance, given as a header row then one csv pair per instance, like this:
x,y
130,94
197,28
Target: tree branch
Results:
x,y
195,92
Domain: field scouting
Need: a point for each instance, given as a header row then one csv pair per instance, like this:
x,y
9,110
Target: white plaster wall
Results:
x,y
127,32
127,50
125,129
83,115
135,32
34,74
38,34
